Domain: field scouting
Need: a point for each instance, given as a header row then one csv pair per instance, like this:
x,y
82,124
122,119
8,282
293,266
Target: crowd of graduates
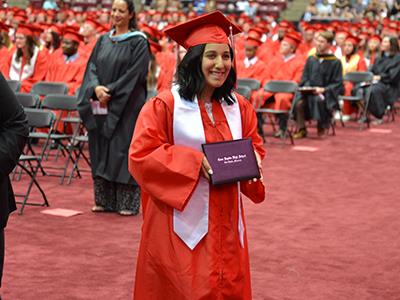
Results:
x,y
37,45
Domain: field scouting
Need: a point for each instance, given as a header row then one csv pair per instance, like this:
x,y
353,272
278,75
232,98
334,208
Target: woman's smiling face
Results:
x,y
216,64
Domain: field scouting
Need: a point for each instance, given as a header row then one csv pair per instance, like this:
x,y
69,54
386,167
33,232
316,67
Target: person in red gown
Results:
x,y
252,67
26,63
89,32
286,66
193,243
352,61
68,68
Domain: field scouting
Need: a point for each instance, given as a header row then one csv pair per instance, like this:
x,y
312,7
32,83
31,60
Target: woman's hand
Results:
x,y
102,94
376,78
259,163
319,90
206,170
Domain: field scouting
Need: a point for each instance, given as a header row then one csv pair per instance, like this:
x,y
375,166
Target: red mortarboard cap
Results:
x,y
376,37
20,17
72,35
285,25
56,28
152,31
292,38
255,33
96,25
26,29
353,39
251,41
343,31
154,47
209,28
308,27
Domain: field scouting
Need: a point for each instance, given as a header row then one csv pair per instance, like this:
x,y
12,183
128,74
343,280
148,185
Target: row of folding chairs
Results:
x,y
49,97
247,85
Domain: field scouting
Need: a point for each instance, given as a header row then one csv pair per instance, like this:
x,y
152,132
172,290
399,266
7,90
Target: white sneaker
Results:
x,y
346,118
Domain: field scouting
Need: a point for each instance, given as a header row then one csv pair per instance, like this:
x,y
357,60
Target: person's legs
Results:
x,y
104,195
128,199
300,120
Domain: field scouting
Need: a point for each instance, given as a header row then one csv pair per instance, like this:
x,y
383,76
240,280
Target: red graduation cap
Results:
x,y
376,37
94,24
152,31
72,35
4,27
26,29
353,39
209,28
251,41
255,33
293,38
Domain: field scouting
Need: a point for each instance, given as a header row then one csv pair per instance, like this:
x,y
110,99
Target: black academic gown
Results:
x,y
322,71
121,67
13,135
387,90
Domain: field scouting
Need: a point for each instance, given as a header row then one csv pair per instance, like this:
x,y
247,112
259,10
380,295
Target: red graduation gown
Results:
x,y
39,71
167,62
284,70
218,267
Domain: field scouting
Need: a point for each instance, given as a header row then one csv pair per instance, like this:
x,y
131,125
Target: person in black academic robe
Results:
x,y
13,135
115,79
323,71
386,87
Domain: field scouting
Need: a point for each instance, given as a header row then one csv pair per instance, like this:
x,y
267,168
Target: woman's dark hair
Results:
x,y
56,41
30,45
190,77
131,9
394,46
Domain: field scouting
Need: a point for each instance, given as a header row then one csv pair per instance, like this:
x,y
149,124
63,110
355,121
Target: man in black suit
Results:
x,y
13,134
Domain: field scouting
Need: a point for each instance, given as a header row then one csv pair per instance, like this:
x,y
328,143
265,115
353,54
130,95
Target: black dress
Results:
x,y
121,66
386,91
321,71
13,135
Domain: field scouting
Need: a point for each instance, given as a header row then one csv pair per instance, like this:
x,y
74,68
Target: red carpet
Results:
x,y
328,230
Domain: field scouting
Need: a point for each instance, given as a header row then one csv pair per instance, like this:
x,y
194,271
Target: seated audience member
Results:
x,y
372,50
27,63
5,44
89,31
352,61
52,39
251,66
285,66
308,40
69,67
323,72
386,69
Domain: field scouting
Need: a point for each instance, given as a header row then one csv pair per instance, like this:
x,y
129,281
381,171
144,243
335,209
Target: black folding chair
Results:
x,y
30,162
253,84
15,85
62,103
277,86
44,88
245,91
362,80
27,100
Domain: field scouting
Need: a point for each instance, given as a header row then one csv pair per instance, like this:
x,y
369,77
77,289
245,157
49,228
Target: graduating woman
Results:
x,y
26,63
112,93
193,243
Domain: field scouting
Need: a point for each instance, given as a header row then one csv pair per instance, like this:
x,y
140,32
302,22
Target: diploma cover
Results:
x,y
231,161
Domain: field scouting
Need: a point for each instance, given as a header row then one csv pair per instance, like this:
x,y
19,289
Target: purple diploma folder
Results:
x,y
231,161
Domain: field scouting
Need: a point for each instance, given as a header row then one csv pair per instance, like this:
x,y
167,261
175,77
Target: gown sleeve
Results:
x,y
165,171
90,81
255,191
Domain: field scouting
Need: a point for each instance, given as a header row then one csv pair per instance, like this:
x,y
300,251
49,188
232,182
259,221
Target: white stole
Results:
x,y
191,224
28,69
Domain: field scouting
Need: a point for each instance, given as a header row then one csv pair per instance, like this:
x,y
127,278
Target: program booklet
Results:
x,y
232,161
